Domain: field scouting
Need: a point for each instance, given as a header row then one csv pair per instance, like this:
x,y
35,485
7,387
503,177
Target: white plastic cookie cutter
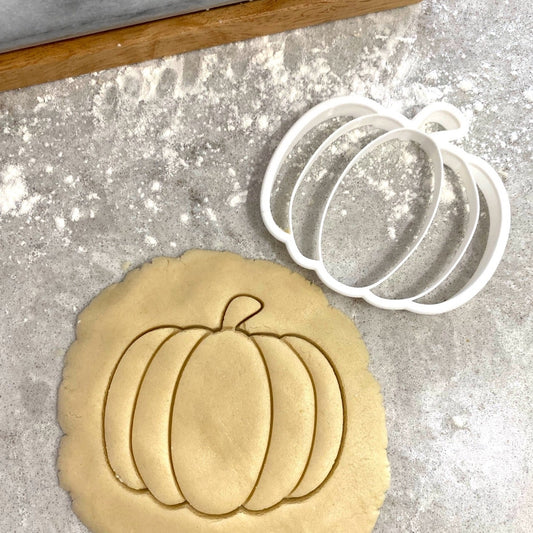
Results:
x,y
473,172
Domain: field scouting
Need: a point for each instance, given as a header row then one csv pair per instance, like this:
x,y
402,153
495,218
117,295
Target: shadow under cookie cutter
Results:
x,y
473,172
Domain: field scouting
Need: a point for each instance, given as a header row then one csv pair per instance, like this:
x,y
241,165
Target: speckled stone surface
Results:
x,y
100,173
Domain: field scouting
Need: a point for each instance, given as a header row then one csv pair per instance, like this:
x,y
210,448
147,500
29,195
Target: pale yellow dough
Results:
x,y
219,394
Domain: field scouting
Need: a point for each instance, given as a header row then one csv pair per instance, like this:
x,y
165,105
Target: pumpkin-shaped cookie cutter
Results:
x,y
473,172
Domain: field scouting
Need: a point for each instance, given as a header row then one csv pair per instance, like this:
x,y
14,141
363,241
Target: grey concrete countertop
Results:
x,y
101,173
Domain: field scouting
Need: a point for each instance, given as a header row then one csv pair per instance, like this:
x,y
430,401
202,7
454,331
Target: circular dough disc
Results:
x,y
347,470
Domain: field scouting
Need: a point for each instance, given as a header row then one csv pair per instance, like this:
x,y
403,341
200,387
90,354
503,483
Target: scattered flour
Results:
x,y
237,199
27,204
466,86
150,204
400,210
246,121
60,223
262,122
75,214
447,194
210,214
459,421
150,241
383,70
383,186
14,199
12,189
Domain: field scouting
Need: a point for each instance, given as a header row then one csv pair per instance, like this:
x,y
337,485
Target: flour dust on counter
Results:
x,y
457,389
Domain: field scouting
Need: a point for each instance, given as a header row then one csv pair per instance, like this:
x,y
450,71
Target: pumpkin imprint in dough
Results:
x,y
235,420
213,393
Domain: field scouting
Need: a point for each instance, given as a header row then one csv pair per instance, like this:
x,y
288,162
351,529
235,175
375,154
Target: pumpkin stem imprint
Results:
x,y
239,309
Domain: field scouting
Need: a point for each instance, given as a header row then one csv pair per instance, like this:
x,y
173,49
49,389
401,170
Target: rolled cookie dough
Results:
x,y
215,393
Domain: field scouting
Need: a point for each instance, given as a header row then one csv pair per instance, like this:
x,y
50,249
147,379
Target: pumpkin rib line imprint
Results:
x,y
296,499
104,403
173,403
116,366
231,320
139,419
344,414
107,395
130,344
137,397
315,396
267,449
